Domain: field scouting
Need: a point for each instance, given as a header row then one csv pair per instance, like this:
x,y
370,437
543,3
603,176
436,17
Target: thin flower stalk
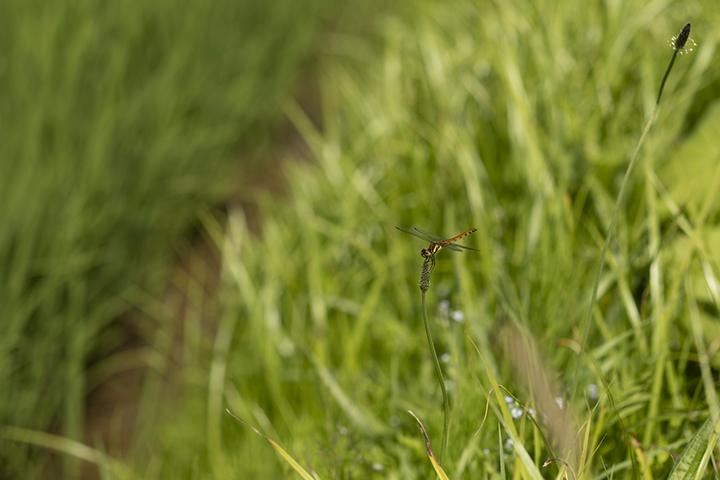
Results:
x,y
680,46
424,286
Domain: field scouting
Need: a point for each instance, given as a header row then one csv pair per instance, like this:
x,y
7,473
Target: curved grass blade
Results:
x,y
436,465
286,456
106,464
506,420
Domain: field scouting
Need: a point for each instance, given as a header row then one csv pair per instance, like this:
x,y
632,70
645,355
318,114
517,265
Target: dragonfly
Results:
x,y
437,243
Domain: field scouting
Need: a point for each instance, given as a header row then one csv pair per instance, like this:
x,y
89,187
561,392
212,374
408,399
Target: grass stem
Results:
x,y
438,370
620,198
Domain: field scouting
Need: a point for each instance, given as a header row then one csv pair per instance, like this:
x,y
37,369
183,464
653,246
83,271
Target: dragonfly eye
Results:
x,y
425,253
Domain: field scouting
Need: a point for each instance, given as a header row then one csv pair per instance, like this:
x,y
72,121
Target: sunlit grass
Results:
x,y
518,121
476,117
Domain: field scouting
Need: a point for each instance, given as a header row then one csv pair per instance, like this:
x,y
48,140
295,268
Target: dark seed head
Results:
x,y
682,39
683,43
425,276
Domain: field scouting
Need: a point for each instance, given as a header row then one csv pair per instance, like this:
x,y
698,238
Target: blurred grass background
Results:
x,y
121,120
123,126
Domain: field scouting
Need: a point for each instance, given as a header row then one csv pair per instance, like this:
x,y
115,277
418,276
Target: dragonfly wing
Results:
x,y
430,236
419,233
463,247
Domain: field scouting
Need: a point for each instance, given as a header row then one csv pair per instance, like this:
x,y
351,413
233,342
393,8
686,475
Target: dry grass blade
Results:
x,y
435,463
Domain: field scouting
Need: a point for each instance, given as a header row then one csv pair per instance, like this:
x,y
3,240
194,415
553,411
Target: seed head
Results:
x,y
425,276
680,43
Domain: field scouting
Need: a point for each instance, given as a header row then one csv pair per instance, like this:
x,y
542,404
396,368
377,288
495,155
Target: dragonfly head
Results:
x,y
425,253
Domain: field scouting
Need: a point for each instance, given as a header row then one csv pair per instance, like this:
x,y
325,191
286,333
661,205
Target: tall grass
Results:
x,y
517,119
120,120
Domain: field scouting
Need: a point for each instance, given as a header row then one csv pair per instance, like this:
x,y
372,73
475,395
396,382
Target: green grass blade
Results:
x,y
693,460
64,445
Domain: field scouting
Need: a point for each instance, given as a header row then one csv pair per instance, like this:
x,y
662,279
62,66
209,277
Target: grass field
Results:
x,y
517,119
121,120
